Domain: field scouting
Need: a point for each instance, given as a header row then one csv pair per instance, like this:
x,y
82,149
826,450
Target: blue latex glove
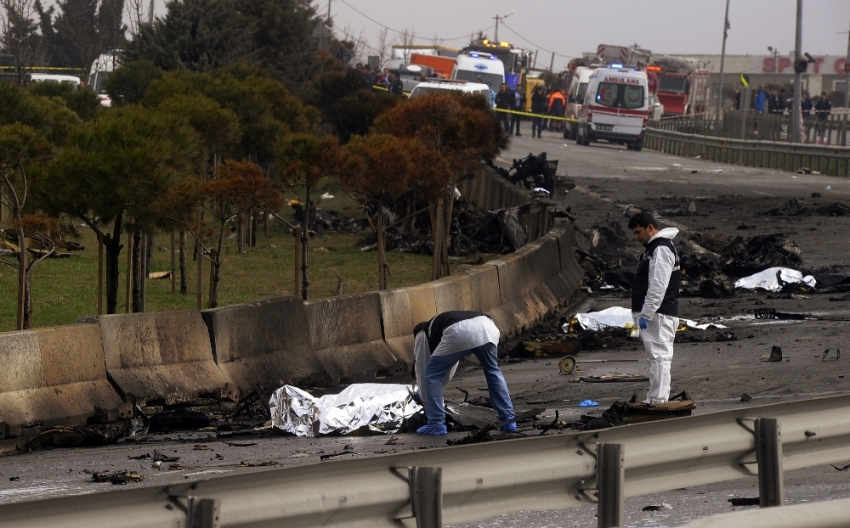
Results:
x,y
643,323
432,430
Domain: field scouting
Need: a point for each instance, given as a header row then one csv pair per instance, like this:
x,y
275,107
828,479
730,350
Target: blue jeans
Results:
x,y
439,366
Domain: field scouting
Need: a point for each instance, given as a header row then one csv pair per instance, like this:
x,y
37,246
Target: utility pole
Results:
x,y
796,108
722,61
497,17
847,75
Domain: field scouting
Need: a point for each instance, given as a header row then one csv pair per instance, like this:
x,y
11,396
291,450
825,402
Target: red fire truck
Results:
x,y
682,88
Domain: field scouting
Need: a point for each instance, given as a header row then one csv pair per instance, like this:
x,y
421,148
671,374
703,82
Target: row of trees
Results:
x,y
190,151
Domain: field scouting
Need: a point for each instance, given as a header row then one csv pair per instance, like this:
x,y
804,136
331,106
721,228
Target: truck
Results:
x,y
479,67
633,56
682,86
441,66
516,62
102,66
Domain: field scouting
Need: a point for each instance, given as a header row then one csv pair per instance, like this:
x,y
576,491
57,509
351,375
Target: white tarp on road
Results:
x,y
772,279
380,407
619,317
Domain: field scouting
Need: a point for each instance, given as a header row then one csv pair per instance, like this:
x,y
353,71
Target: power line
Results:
x,y
532,43
388,28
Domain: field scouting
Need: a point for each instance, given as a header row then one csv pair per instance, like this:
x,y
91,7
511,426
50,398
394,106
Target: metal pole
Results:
x,y
426,492
722,61
610,479
200,276
298,248
128,306
847,75
796,108
769,458
22,281
173,266
100,274
496,33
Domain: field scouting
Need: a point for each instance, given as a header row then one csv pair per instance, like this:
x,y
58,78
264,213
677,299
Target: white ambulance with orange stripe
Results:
x,y
615,108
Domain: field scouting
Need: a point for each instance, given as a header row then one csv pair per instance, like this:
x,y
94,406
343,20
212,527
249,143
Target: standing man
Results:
x,y
822,110
396,87
655,300
504,101
519,103
440,344
538,106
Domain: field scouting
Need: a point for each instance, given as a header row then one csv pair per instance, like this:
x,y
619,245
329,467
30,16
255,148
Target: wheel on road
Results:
x,y
638,145
585,139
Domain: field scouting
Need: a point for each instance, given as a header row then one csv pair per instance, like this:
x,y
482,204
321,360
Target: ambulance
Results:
x,y
615,108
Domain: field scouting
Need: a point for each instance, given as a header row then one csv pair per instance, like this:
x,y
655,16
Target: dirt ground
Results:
x,y
715,374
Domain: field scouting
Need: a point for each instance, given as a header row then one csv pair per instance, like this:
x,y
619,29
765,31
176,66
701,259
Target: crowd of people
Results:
x,y
777,102
551,102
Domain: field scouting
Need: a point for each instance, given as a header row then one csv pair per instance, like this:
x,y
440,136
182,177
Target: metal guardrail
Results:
x,y
826,159
466,483
828,514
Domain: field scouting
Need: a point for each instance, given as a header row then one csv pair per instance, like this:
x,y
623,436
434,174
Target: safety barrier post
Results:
x,y
203,513
769,458
610,488
426,495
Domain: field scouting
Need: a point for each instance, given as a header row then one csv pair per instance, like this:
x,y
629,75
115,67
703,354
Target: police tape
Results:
x,y
530,114
503,110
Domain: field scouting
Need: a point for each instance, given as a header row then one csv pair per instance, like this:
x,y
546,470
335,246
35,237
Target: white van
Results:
x,y
479,67
102,66
450,86
73,80
575,97
615,108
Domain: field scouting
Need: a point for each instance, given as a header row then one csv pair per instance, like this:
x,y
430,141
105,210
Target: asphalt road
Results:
x,y
715,374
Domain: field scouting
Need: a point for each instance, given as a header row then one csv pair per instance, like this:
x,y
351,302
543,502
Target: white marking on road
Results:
x,y
764,193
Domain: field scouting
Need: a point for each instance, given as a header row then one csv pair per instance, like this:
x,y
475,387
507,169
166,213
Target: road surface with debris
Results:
x,y
723,200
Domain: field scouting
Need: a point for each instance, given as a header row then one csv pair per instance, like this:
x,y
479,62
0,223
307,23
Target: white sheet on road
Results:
x,y
619,317
379,407
769,279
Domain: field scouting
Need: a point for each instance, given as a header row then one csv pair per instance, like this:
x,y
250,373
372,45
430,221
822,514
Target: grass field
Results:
x,y
66,289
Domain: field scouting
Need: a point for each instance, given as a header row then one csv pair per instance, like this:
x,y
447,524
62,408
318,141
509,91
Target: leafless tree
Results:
x,y
383,49
19,36
139,12
407,37
357,43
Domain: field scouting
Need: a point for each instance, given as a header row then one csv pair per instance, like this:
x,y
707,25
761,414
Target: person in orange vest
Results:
x,y
557,103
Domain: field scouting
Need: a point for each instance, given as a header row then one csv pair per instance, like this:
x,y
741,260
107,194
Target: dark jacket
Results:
x,y
640,287
435,327
539,104
505,100
822,109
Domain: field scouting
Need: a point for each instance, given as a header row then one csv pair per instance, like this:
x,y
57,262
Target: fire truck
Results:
x,y
682,87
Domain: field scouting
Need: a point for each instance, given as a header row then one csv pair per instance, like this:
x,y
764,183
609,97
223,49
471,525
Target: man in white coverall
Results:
x,y
655,300
439,344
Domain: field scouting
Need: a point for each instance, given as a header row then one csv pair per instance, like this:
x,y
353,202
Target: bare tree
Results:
x,y
407,37
383,47
356,43
139,12
19,33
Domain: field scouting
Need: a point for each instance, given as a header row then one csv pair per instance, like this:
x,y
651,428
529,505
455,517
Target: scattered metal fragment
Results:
x,y
258,464
614,378
14,479
241,444
657,507
159,456
775,355
746,397
201,447
143,456
744,501
116,477
845,468
483,434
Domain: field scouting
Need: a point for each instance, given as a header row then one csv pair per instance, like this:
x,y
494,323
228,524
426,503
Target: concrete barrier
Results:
x,y
521,304
55,376
571,271
347,337
401,310
162,358
264,345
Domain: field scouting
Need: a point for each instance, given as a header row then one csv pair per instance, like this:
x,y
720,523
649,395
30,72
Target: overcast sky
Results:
x,y
570,27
